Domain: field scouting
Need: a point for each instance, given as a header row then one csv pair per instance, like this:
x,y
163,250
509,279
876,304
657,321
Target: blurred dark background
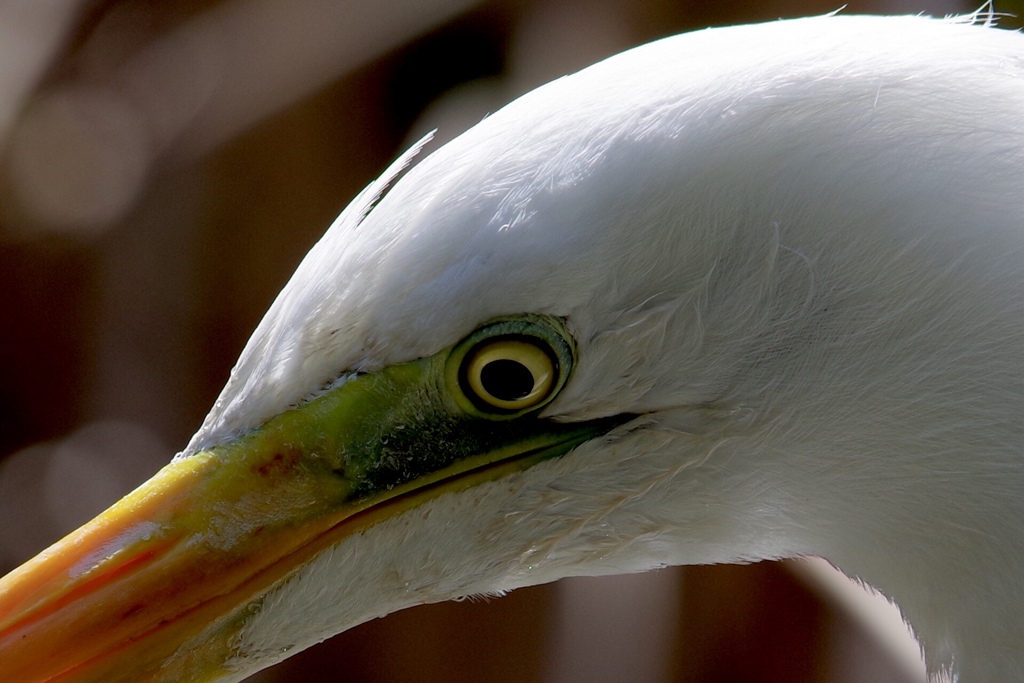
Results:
x,y
165,164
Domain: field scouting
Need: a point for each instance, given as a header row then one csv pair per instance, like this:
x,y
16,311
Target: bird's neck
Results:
x,y
957,578
939,530
894,424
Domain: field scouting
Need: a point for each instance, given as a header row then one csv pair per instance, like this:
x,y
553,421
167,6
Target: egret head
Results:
x,y
743,294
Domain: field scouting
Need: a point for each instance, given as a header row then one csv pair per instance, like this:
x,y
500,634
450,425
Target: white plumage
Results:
x,y
795,249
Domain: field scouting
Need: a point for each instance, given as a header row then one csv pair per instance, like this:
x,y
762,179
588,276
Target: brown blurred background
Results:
x,y
164,165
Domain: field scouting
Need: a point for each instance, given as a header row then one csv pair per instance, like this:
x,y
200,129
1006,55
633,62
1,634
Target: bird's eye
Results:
x,y
510,367
509,374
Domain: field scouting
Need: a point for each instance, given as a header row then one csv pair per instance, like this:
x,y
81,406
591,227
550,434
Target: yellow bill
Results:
x,y
193,550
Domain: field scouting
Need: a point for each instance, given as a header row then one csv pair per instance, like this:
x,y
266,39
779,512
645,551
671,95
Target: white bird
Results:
x,y
741,294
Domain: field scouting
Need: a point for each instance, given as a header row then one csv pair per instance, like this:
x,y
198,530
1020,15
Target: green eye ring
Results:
x,y
510,367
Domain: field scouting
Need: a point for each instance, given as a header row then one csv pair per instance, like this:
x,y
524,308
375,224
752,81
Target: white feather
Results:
x,y
795,248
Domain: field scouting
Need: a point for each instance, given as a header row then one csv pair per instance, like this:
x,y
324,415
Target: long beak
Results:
x,y
191,552
183,550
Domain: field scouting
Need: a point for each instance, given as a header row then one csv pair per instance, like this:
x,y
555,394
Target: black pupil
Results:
x,y
506,380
